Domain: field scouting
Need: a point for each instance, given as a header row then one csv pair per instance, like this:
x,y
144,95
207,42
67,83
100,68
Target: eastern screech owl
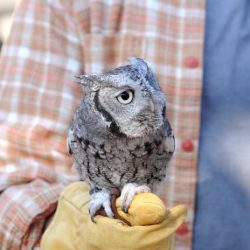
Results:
x,y
120,136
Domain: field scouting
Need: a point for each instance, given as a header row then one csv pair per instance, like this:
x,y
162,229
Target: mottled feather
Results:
x,y
120,134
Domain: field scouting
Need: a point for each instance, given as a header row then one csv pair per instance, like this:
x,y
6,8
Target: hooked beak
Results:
x,y
152,106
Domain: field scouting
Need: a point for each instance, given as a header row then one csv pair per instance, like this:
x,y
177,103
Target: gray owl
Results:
x,y
120,136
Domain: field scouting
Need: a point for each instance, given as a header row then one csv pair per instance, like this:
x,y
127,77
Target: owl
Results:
x,y
120,136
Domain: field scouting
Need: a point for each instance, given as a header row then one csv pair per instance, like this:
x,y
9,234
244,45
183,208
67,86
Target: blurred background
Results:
x,y
6,10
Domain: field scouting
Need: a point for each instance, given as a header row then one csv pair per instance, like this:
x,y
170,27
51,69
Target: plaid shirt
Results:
x,y
50,42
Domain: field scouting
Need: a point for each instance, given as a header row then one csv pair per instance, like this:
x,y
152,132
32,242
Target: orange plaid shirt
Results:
x,y
50,42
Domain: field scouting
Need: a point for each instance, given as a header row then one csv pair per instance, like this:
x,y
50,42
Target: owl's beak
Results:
x,y
152,106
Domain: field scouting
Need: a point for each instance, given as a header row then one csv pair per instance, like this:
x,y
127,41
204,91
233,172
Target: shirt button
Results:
x,y
192,62
188,146
182,230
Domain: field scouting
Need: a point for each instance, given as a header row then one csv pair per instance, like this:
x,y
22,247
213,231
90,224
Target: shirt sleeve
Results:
x,y
37,100
25,210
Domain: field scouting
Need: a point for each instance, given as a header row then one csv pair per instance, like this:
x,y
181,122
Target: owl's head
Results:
x,y
128,99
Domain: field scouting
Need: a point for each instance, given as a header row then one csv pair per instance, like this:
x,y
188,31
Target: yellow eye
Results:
x,y
126,97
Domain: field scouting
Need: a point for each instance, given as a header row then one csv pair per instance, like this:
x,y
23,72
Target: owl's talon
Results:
x,y
129,191
93,219
92,216
125,210
100,199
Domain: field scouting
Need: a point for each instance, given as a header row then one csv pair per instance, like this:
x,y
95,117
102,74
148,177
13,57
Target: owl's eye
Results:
x,y
126,97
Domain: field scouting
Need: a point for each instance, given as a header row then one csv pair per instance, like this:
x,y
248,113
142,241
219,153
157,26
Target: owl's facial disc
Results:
x,y
130,111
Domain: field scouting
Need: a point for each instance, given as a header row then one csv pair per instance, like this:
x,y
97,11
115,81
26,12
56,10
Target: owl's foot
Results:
x,y
100,198
129,191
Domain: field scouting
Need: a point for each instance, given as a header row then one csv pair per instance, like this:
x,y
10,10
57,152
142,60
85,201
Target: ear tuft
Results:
x,y
84,80
140,64
87,81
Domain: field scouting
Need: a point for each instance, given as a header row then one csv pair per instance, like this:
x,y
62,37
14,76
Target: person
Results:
x,y
202,68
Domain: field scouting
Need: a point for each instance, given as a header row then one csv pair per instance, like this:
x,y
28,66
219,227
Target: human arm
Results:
x,y
38,62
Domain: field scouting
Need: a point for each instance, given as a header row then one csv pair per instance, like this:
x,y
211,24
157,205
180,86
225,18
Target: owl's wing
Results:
x,y
74,132
169,139
71,141
74,144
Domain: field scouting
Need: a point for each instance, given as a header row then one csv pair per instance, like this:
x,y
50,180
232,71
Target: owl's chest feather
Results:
x,y
123,161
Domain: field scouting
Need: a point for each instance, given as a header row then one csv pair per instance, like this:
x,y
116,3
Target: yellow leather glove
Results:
x,y
153,225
